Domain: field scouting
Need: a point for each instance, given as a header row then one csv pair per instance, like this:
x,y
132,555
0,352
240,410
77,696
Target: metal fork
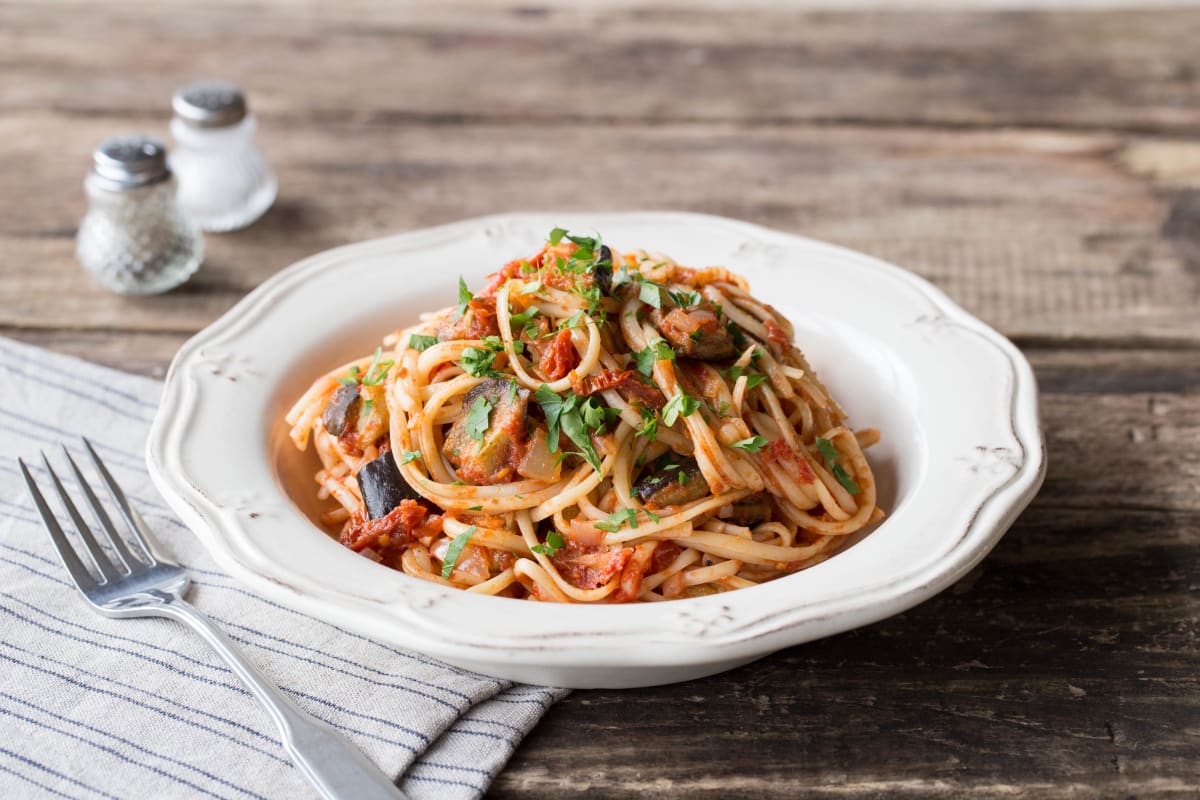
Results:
x,y
147,584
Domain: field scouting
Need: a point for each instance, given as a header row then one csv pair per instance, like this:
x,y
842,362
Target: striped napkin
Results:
x,y
92,707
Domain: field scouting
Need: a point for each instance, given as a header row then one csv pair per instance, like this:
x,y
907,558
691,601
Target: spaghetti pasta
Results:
x,y
592,426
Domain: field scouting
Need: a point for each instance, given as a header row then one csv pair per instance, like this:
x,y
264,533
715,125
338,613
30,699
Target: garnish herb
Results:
x,y
409,456
531,287
475,508
455,550
681,405
464,297
477,418
658,350
378,370
614,522
649,429
574,418
353,378
684,299
554,543
478,363
650,294
739,338
751,445
557,235
754,380
525,320
420,342
839,472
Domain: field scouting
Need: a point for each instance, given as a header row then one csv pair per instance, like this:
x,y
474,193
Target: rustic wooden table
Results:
x,y
1042,168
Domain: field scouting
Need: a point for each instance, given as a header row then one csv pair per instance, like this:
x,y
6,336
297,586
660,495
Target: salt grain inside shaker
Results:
x,y
134,239
224,182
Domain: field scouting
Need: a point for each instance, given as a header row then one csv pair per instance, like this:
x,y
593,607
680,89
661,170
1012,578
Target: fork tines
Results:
x,y
126,562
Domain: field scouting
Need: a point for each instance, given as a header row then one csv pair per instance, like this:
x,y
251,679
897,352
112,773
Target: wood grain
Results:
x,y
1113,70
1104,249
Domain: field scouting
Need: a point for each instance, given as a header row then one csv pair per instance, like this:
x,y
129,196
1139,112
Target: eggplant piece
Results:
x,y
603,271
498,456
340,413
671,481
695,333
749,511
382,486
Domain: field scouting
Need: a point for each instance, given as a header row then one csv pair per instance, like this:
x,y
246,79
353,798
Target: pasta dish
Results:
x,y
589,426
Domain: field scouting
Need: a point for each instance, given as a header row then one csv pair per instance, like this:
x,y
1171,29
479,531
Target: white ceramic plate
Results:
x,y
961,454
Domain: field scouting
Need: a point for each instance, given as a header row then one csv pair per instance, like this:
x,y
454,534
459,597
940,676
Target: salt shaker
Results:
x,y
224,182
134,239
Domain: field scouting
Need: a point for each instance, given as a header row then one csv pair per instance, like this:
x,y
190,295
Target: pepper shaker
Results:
x,y
134,239
224,182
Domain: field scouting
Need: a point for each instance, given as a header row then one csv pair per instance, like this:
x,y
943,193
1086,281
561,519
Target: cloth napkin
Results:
x,y
93,707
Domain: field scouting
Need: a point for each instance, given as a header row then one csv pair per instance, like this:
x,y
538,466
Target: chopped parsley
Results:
x,y
651,294
658,350
615,521
554,543
557,235
475,508
455,550
464,297
839,472
751,445
739,338
409,456
649,429
477,418
420,342
684,299
754,380
525,321
681,405
575,418
478,363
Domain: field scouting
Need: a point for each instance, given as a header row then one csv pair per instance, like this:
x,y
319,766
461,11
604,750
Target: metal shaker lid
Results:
x,y
209,104
126,162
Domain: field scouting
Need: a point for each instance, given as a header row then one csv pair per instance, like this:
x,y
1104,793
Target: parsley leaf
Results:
x,y
353,378
739,338
754,380
679,405
552,407
658,350
614,522
751,445
573,426
477,418
557,234
378,370
649,429
409,456
684,299
422,343
478,363
464,297
650,294
827,450
839,472
455,550
554,543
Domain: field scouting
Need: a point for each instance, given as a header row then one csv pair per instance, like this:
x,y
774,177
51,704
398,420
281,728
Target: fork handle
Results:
x,y
335,767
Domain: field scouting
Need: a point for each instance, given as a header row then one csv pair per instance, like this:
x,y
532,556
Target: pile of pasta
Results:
x,y
589,426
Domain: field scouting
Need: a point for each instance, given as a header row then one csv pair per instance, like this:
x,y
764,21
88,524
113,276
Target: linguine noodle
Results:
x,y
591,426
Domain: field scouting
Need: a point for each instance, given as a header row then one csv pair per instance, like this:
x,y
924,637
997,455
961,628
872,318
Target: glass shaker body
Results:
x,y
224,181
133,238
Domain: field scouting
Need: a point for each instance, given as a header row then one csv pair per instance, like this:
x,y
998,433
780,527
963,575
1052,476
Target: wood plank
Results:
x,y
1046,236
1099,69
1063,666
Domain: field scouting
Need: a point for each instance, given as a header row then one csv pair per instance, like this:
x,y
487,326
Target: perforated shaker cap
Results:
x,y
126,162
209,104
